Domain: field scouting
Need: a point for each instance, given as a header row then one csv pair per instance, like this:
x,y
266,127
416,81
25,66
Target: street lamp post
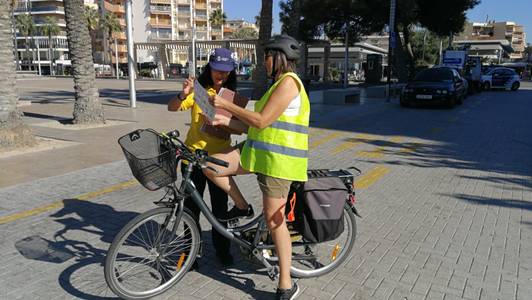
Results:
x,y
130,60
391,44
192,71
346,57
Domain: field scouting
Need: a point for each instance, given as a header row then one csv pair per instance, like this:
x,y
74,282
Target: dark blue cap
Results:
x,y
221,59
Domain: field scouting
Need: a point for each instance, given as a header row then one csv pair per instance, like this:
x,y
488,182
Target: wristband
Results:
x,y
181,96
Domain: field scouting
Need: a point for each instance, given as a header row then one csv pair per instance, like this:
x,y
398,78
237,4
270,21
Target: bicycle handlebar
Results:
x,y
216,161
199,156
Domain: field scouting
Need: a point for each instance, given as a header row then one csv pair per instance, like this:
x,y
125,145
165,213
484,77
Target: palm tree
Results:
x,y
110,25
218,17
244,34
87,105
265,31
49,29
93,20
13,132
26,27
12,6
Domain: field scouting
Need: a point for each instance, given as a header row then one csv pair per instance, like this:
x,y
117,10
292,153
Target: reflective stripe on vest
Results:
x,y
281,149
277,149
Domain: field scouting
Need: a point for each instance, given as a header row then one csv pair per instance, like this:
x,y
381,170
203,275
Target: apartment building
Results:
x,y
117,44
168,20
232,26
510,31
39,59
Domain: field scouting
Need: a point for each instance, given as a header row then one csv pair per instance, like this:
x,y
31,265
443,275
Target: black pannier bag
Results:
x,y
319,207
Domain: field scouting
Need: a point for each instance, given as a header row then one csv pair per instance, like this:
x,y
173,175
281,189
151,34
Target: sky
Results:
x,y
519,11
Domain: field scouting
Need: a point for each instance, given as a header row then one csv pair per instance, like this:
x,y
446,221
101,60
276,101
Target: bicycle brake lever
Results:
x,y
210,168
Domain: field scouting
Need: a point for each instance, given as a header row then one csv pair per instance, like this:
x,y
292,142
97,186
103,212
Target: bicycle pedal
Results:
x,y
273,273
233,223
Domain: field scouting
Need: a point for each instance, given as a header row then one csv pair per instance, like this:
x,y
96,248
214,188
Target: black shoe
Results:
x,y
235,213
225,258
287,294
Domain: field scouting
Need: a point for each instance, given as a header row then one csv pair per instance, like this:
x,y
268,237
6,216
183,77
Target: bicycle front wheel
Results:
x,y
319,259
151,254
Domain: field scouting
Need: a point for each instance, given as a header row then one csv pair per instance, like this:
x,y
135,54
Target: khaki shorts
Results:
x,y
273,187
270,186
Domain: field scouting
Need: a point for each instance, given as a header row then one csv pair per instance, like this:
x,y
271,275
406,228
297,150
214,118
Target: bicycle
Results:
x,y
157,248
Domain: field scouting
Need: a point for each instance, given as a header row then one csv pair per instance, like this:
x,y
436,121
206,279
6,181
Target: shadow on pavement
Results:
x,y
77,245
83,278
237,275
518,204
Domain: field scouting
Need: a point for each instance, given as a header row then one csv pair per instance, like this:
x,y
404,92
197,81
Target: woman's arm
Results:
x,y
175,103
287,90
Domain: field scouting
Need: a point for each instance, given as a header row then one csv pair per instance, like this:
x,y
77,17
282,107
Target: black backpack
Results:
x,y
318,210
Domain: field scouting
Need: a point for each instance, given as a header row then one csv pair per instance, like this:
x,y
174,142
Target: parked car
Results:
x,y
500,77
441,85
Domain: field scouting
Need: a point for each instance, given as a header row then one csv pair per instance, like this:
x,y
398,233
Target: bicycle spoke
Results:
x,y
134,267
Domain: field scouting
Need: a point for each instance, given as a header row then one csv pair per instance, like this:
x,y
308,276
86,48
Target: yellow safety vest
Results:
x,y
281,149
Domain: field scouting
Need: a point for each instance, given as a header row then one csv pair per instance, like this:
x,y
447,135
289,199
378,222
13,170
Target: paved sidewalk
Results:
x,y
446,200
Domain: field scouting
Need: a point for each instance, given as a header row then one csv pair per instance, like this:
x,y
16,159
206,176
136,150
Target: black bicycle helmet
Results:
x,y
285,43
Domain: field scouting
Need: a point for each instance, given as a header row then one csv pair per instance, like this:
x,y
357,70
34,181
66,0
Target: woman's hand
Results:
x,y
220,119
188,86
217,101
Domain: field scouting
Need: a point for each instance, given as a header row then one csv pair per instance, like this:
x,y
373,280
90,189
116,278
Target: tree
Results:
x,y
444,18
244,34
426,47
87,106
333,19
217,17
49,29
265,32
26,27
12,5
93,21
13,132
110,25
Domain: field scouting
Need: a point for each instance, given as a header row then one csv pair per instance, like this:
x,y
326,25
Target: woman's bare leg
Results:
x,y
224,177
274,213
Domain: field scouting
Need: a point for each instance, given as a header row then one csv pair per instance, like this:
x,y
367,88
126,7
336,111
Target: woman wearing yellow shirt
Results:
x,y
218,73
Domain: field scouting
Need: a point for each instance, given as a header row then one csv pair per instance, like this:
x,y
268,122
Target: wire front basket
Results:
x,y
152,162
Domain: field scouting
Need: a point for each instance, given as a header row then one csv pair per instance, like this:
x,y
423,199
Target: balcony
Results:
x,y
201,16
183,2
36,10
116,8
183,13
42,21
160,24
201,5
119,35
161,2
161,9
160,36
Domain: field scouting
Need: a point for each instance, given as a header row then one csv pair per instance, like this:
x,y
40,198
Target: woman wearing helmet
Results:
x,y
276,148
218,73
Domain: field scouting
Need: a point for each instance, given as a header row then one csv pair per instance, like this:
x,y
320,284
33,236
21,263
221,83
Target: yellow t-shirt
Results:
x,y
197,139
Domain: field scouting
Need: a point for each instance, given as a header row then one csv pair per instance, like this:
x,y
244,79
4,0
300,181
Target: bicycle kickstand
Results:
x,y
273,271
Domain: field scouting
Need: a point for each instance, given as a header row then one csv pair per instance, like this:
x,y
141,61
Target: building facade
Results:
x,y
38,57
232,26
496,31
167,20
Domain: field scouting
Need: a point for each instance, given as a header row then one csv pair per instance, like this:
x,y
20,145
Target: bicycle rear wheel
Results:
x,y
319,259
151,254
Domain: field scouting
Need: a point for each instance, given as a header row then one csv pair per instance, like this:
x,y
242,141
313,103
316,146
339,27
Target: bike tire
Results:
x,y
339,257
187,230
